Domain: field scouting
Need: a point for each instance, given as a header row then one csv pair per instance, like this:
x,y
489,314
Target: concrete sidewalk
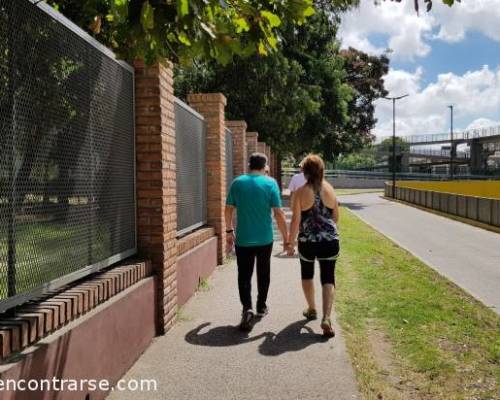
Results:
x,y
204,356
466,255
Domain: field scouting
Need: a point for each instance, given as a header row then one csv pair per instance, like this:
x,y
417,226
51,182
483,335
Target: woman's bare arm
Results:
x,y
332,200
294,225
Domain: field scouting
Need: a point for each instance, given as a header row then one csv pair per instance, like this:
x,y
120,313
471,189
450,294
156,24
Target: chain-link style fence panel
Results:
x,y
67,159
190,136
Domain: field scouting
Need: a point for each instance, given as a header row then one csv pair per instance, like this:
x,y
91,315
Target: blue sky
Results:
x,y
470,54
450,56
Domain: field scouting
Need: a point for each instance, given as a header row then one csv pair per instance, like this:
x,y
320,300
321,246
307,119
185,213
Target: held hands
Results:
x,y
289,248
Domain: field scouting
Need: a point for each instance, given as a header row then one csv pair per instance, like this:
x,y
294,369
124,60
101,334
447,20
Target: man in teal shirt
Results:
x,y
255,197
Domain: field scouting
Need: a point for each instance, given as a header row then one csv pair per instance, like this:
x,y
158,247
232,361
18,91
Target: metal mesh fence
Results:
x,y
67,196
191,170
229,159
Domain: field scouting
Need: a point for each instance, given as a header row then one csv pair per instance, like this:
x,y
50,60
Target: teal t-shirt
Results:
x,y
254,196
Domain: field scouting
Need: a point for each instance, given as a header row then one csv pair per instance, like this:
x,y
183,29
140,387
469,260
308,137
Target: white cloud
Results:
x,y
475,94
482,123
405,29
478,15
410,36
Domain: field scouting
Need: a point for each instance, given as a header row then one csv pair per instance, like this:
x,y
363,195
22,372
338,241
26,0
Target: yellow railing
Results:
x,y
487,189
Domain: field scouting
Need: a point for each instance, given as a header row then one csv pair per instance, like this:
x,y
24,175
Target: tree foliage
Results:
x,y
306,97
265,92
364,74
356,161
182,29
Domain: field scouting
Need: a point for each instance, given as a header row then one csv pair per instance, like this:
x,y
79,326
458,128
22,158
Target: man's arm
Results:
x,y
228,215
280,218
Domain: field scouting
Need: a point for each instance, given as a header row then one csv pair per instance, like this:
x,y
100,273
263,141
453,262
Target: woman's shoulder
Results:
x,y
305,189
326,186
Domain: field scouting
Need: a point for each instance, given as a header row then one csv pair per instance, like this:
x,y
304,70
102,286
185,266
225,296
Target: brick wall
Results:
x,y
36,320
261,147
212,106
194,239
271,165
268,154
252,139
275,166
239,130
156,181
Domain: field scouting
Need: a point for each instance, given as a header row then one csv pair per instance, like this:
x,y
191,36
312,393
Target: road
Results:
x,y
468,256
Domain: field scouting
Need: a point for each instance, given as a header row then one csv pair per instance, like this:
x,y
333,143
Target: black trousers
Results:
x,y
245,258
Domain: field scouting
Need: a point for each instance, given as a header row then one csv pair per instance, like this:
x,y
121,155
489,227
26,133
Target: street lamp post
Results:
x,y
452,147
394,99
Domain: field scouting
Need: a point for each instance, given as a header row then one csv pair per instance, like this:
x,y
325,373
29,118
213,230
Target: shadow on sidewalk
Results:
x,y
295,337
220,336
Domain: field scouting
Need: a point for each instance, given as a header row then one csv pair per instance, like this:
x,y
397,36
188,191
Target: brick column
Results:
x,y
268,154
212,106
239,130
279,171
275,163
252,139
261,147
156,182
271,165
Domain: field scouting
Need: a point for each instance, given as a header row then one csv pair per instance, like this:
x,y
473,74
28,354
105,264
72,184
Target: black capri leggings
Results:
x,y
326,253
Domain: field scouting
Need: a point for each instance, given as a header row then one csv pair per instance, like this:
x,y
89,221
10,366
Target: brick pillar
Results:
x,y
252,139
275,163
156,182
212,106
268,154
261,147
272,165
279,171
239,130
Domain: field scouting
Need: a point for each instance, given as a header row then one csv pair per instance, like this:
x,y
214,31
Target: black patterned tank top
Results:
x,y
317,224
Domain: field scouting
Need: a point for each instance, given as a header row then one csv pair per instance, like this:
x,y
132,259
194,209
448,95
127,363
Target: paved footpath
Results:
x,y
204,356
466,255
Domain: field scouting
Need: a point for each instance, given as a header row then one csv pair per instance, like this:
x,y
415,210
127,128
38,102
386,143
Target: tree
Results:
x,y
294,98
265,92
182,29
364,74
384,151
385,146
363,160
185,29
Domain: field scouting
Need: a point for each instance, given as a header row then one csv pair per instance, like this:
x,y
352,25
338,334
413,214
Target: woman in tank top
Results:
x,y
314,220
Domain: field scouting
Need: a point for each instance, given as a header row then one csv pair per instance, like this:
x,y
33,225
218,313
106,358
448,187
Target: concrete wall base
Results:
x,y
193,266
102,344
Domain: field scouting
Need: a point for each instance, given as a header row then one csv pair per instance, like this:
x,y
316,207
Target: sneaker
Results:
x,y
310,314
326,325
262,311
246,321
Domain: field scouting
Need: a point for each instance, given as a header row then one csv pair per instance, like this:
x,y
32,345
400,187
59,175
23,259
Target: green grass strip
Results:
x,y
411,333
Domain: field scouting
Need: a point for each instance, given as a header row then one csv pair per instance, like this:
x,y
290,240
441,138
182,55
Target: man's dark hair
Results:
x,y
257,161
